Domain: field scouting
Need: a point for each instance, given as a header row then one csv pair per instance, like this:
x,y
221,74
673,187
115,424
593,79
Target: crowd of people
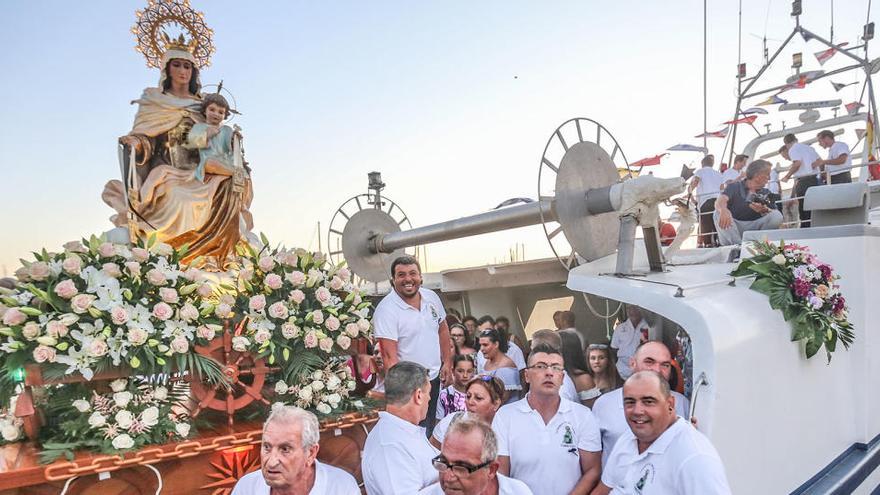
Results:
x,y
747,196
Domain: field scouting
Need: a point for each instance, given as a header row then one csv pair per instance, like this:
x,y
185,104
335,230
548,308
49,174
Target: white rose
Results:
x,y
333,399
97,419
262,336
350,385
82,405
343,341
364,324
326,344
10,432
317,375
150,416
123,442
778,259
323,408
30,331
124,419
317,386
240,343
118,385
182,429
305,393
352,329
333,382
122,398
163,249
281,388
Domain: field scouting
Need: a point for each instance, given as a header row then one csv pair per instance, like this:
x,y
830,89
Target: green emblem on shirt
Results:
x,y
568,437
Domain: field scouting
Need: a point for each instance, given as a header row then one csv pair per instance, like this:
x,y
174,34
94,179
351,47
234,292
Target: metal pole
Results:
x,y
482,223
626,244
705,99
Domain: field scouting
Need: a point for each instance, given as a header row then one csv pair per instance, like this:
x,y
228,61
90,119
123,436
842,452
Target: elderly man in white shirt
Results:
x,y
550,443
397,456
468,462
628,336
608,408
661,454
839,162
288,461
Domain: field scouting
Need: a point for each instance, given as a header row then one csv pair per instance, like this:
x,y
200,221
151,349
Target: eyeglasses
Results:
x,y
598,346
556,368
459,469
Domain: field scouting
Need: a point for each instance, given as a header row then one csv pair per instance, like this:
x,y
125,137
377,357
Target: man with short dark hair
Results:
x,y
397,456
545,337
745,206
550,443
839,162
736,172
486,322
660,453
468,462
707,183
470,323
410,325
566,318
802,158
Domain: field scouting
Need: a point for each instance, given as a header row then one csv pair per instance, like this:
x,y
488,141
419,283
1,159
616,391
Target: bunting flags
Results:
x,y
824,55
839,86
753,110
773,100
744,120
647,162
801,83
860,133
687,147
852,108
718,134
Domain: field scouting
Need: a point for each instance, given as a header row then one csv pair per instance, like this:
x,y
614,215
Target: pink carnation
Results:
x,y
98,348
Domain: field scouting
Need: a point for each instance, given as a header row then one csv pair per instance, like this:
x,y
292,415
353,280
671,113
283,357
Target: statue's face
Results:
x,y
214,114
180,71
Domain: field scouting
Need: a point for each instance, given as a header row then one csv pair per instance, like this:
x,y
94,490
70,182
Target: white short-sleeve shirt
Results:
x,y
506,486
680,461
546,456
416,331
329,480
837,149
513,352
568,390
710,184
731,175
608,410
397,458
806,155
626,340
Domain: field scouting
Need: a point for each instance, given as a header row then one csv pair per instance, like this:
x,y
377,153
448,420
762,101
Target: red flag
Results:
x,y
744,120
719,134
852,108
801,83
646,162
824,55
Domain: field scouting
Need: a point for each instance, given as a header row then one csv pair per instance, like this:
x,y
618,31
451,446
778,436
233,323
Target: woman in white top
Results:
x,y
493,345
484,394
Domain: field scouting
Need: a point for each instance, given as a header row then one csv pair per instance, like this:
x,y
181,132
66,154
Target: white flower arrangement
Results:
x,y
324,390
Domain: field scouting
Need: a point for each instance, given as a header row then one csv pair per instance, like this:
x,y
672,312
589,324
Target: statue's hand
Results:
x,y
131,141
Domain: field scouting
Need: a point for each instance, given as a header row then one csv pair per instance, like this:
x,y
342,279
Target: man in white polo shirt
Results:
x,y
628,336
468,463
839,160
410,325
288,462
802,157
397,456
662,453
608,409
550,443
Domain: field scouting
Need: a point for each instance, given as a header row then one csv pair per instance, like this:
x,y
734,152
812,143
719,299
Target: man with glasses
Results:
x,y
608,409
468,463
550,443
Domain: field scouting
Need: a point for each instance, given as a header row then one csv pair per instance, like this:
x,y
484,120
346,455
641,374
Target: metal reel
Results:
x,y
351,228
575,160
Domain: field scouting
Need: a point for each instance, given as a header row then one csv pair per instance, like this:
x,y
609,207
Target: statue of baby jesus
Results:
x,y
212,139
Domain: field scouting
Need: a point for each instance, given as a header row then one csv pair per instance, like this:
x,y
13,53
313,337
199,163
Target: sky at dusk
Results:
x,y
452,101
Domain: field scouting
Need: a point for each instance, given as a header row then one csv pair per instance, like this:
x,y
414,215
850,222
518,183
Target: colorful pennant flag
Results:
x,y
773,100
744,120
753,110
718,134
852,108
801,83
825,55
647,162
839,86
687,147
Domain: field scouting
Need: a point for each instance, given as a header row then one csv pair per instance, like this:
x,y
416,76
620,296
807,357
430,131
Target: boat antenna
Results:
x,y
831,36
705,104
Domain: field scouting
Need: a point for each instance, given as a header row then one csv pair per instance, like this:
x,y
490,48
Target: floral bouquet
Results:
x,y
804,289
134,413
324,390
97,305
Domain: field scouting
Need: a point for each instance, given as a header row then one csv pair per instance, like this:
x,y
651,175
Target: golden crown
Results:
x,y
153,40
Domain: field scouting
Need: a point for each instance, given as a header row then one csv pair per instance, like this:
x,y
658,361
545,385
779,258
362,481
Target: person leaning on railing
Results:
x,y
745,206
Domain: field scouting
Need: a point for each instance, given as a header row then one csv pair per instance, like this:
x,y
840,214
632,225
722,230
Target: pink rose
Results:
x,y
168,295
106,250
66,289
336,283
262,336
180,345
133,268
297,296
266,263
30,331
112,270
246,274
273,281
323,295
156,277
193,274
343,341
205,290
162,311
296,277
318,316
240,343
326,344
98,348
357,299
223,310
311,339
288,258
227,299
257,303
188,312
205,332
137,336
74,247
72,264
56,329
13,317
344,274
43,354
140,254
38,270
352,329
81,303
364,324
289,331
332,323
119,315
278,310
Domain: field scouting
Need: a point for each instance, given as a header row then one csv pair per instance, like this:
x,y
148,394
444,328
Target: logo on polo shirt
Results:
x,y
433,311
647,477
567,437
